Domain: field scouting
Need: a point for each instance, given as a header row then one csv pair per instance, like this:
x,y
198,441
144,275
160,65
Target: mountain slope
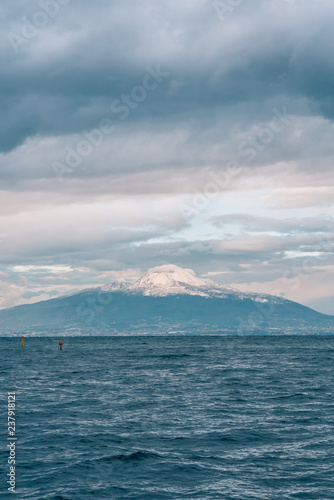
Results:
x,y
165,300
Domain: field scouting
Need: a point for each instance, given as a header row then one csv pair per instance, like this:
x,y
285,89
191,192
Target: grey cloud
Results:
x,y
260,54
253,224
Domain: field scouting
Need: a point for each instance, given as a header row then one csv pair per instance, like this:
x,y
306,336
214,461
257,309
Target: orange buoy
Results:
x,y
61,344
22,340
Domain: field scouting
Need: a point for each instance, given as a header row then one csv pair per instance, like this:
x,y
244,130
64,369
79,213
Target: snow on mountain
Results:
x,y
113,287
169,279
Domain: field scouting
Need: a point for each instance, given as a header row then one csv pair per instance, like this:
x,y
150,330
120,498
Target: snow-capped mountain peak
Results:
x,y
168,279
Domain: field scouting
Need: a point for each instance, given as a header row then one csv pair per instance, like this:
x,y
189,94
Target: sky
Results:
x,y
141,133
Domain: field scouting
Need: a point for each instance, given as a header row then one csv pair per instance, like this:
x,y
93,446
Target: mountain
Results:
x,y
166,300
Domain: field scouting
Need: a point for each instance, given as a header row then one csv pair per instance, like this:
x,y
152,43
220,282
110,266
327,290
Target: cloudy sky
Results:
x,y
137,133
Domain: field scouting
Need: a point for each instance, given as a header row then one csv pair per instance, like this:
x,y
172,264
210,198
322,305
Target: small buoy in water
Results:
x,y
61,344
22,340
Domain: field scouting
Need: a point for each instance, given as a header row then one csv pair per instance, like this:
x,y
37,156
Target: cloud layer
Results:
x,y
136,134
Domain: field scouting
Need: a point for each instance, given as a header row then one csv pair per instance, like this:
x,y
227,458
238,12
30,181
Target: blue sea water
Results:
x,y
170,418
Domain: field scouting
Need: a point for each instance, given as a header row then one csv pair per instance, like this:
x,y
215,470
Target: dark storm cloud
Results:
x,y
69,73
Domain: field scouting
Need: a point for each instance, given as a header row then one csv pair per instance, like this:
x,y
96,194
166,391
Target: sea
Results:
x,y
197,417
